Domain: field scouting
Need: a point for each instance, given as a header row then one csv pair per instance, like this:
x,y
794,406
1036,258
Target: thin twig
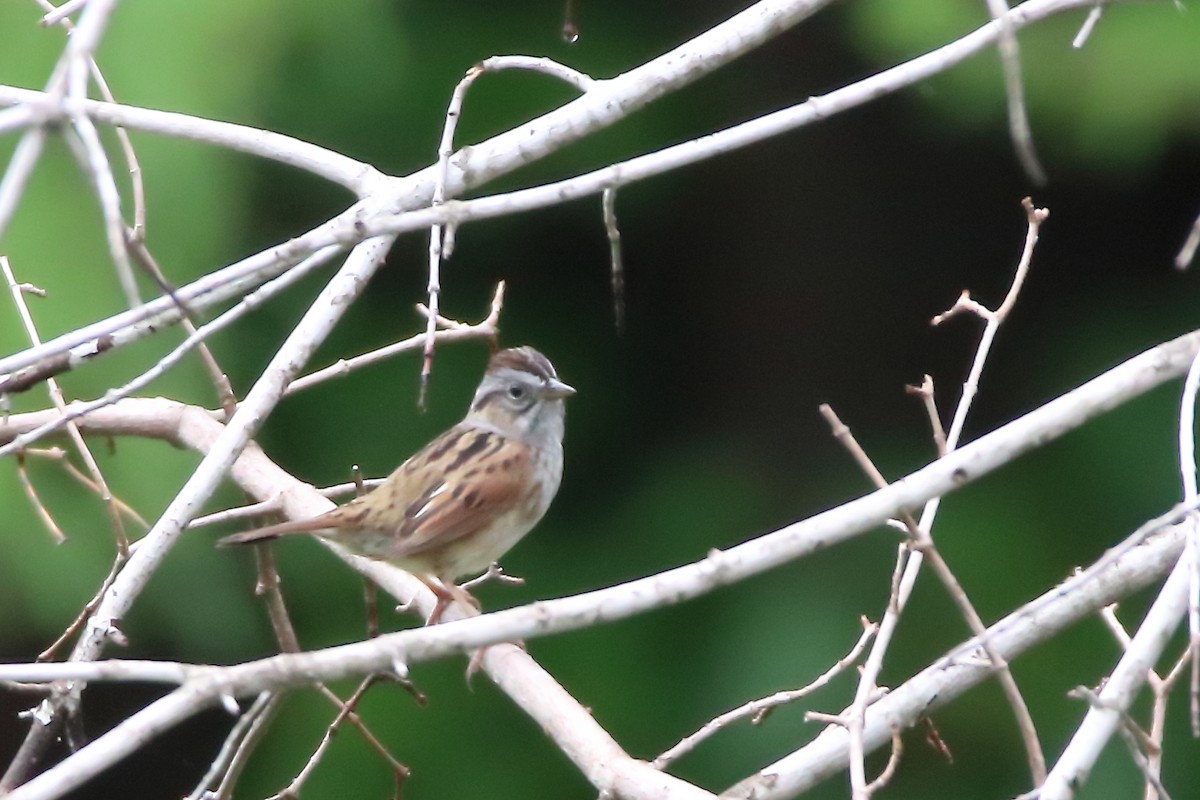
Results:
x,y
487,328
94,162
39,507
924,543
1089,24
250,302
929,400
60,457
757,709
1188,251
258,720
441,236
617,265
570,29
436,239
56,396
874,663
1014,89
494,574
187,321
292,790
267,587
239,513
82,617
893,762
371,604
1188,472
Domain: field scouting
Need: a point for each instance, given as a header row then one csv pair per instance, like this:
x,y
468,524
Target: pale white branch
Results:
x,y
250,302
389,212
1089,24
1014,88
1131,567
358,177
856,718
758,708
1117,695
717,569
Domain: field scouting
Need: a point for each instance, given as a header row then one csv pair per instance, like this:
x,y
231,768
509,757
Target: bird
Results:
x,y
465,499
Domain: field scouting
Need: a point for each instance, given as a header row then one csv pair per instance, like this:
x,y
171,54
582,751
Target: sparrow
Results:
x,y
461,502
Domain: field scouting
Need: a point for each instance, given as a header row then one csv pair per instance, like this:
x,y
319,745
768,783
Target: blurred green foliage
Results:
x,y
799,271
1090,106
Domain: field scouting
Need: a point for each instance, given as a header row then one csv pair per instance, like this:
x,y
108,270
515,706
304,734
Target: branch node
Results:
x,y
107,628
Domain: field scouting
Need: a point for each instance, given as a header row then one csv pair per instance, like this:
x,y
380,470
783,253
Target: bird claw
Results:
x,y
494,572
475,664
447,594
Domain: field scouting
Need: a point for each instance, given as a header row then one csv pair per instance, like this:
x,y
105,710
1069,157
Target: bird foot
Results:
x,y
447,594
496,573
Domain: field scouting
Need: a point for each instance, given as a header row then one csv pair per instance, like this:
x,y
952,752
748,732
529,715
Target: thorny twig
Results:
x,y
1161,688
441,237
929,400
924,544
451,330
758,709
292,790
871,669
56,396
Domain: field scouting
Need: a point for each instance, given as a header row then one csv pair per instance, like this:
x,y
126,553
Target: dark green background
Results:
x,y
798,271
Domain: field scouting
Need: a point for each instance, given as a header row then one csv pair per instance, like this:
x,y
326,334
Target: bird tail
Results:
x,y
267,533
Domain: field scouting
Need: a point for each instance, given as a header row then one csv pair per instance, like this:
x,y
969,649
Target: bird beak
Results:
x,y
556,389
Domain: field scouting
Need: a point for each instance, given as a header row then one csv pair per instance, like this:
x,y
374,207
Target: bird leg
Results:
x,y
447,593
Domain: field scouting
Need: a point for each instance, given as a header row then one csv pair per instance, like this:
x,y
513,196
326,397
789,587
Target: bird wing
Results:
x,y
457,485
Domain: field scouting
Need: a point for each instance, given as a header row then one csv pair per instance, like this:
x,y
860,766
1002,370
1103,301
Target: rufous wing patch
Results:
x,y
460,502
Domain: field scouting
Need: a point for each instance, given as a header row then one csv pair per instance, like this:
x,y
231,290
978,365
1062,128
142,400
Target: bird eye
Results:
x,y
516,391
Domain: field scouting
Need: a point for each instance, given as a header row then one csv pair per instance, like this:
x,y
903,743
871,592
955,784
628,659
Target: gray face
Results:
x,y
522,396
517,401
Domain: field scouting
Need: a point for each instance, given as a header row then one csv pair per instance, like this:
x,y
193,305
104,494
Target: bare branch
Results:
x,y
1188,472
490,159
912,568
923,542
1139,560
929,400
758,709
1089,24
43,513
1018,116
162,418
617,263
451,331
56,396
1188,251
1105,717
441,237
